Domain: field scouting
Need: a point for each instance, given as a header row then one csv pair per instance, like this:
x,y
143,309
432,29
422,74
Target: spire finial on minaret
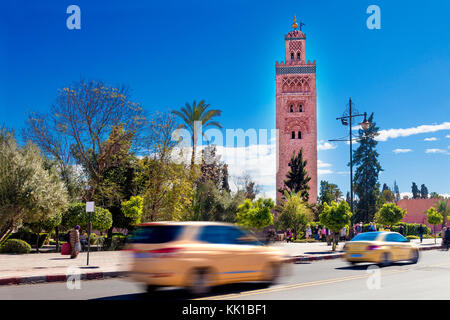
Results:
x,y
295,25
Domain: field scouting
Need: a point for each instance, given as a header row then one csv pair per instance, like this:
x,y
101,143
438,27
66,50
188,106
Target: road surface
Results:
x,y
328,279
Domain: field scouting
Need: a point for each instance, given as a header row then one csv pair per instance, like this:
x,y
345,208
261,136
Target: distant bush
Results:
x,y
29,237
15,246
412,237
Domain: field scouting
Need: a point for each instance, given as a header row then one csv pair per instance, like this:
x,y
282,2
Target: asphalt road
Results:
x,y
329,279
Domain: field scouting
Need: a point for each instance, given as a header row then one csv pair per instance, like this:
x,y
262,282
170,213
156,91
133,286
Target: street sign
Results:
x,y
89,206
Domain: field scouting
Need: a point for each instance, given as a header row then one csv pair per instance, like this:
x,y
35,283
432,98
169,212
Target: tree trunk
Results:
x,y
37,243
57,239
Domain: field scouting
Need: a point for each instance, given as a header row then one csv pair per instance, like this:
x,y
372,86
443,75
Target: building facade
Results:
x,y
416,210
296,109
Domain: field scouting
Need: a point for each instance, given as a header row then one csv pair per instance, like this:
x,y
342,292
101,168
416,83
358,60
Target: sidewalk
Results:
x,y
48,267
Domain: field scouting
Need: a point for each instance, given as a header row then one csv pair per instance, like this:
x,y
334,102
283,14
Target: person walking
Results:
x,y
316,233
83,240
308,232
75,242
421,231
324,234
343,233
402,230
447,239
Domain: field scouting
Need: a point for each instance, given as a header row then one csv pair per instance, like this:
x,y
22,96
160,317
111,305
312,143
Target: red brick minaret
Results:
x,y
296,109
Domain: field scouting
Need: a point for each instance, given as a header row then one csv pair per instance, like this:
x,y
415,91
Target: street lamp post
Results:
x,y
347,120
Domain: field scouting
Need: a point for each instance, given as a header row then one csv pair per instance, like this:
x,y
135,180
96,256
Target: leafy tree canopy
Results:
x,y
256,214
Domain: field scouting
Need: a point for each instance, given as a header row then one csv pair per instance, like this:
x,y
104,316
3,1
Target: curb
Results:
x,y
340,255
62,277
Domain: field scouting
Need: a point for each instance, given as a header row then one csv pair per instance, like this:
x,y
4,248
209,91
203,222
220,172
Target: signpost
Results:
x,y
89,209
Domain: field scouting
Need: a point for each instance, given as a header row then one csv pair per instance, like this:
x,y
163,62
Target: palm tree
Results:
x,y
443,208
197,117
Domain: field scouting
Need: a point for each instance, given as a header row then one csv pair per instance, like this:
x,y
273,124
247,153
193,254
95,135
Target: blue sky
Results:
x,y
170,52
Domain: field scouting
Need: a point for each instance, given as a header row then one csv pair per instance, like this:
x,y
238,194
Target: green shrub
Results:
x,y
410,237
28,236
15,246
93,239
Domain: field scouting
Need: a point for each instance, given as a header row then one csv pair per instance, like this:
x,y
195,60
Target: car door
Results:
x,y
397,246
220,249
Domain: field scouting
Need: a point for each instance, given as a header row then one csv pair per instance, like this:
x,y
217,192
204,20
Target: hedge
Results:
x,y
30,237
15,246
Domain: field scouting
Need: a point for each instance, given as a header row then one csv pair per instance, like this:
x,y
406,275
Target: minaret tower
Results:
x,y
296,108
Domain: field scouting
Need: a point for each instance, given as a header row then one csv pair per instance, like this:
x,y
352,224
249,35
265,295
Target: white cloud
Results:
x,y
321,164
435,151
325,145
384,135
430,139
324,171
408,194
448,136
396,151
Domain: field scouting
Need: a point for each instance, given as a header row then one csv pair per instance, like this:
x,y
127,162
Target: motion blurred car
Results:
x,y
380,247
199,255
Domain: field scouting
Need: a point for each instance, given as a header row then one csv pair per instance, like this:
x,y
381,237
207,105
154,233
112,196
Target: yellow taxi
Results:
x,y
199,255
380,247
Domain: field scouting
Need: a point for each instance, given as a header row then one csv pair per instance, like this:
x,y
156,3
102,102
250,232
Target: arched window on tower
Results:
x,y
291,109
292,56
293,135
299,135
300,108
298,55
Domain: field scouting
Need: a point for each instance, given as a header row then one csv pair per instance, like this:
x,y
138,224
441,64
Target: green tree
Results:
x,y
256,214
297,177
443,208
133,209
388,196
365,180
389,214
213,204
423,192
335,217
329,192
88,124
195,118
294,213
396,191
434,217
76,214
415,191
434,195
44,225
28,191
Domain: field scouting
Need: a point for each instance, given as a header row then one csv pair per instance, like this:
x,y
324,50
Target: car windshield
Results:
x,y
156,234
366,236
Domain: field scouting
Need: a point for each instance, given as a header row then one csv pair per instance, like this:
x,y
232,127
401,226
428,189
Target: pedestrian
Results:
x,y
343,233
83,240
75,242
421,231
289,236
324,234
308,232
401,230
447,238
316,233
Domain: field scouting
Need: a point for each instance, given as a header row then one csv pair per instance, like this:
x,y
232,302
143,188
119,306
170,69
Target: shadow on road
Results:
x,y
182,294
366,265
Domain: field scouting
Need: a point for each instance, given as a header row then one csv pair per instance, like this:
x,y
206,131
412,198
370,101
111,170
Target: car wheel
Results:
x,y
415,256
386,259
200,282
273,272
353,263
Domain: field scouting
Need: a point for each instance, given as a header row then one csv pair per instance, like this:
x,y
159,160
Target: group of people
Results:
x,y
78,241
